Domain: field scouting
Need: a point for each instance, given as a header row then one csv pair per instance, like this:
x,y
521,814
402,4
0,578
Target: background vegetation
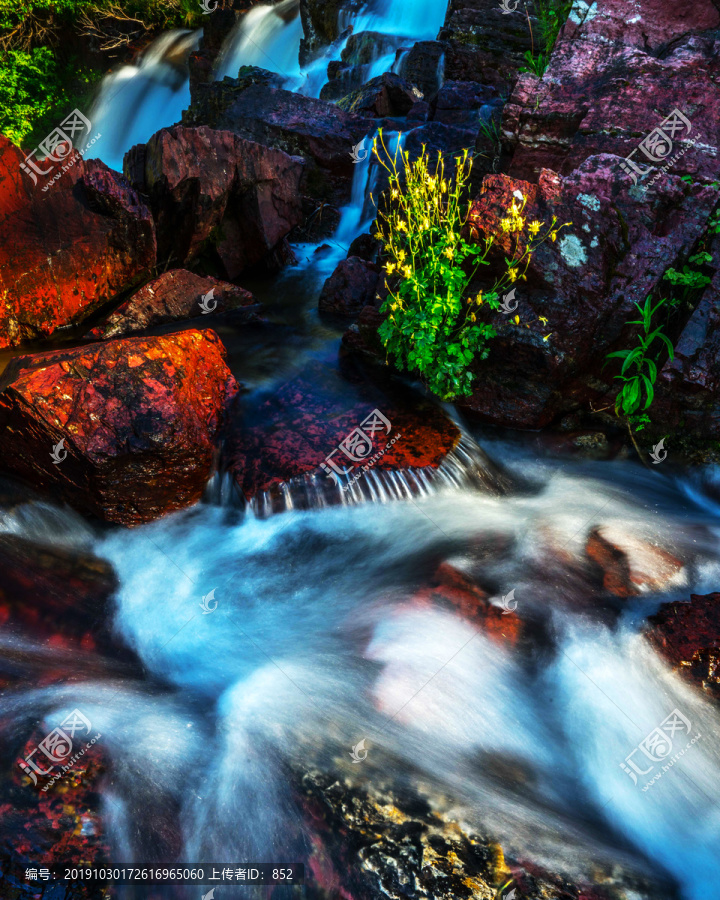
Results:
x,y
53,52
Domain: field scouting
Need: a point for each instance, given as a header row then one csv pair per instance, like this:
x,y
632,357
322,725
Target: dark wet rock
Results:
x,y
214,190
436,137
485,45
320,20
381,841
57,594
464,103
66,251
418,114
137,419
423,65
351,286
387,95
174,296
570,115
320,132
351,71
688,636
366,247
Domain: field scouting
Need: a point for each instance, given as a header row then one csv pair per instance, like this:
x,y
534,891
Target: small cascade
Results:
x,y
137,100
268,36
466,467
357,217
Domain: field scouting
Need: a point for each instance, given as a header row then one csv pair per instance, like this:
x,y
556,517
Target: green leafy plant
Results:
x,y
430,328
639,368
690,279
551,16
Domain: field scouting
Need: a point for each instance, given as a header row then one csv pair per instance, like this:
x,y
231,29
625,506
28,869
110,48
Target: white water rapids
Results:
x,y
316,643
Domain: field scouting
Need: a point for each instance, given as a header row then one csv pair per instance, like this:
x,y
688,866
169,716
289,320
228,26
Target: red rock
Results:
x,y
213,189
630,563
174,296
585,284
291,433
53,591
351,286
688,636
570,114
138,418
452,588
66,251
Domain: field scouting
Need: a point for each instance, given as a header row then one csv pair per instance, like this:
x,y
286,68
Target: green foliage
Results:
x,y
430,329
639,369
551,16
690,279
39,83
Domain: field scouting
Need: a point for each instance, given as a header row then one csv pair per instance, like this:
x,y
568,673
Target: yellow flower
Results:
x,y
395,193
402,225
473,317
407,271
378,236
479,299
426,223
553,236
390,268
512,275
534,227
449,252
543,320
517,320
547,336
401,255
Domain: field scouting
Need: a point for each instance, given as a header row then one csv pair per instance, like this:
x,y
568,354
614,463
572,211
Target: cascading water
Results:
x,y
134,102
316,643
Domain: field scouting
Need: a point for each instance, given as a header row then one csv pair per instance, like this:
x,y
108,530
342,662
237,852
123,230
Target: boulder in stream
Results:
x,y
124,430
67,250
174,296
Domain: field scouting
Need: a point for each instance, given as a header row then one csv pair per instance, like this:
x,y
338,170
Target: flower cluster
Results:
x,y
431,256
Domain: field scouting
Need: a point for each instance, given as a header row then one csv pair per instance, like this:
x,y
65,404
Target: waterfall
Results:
x,y
267,36
134,102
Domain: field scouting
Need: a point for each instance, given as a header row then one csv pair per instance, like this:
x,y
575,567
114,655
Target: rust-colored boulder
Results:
x,y
688,636
213,190
66,250
289,436
631,563
351,286
453,589
123,430
174,296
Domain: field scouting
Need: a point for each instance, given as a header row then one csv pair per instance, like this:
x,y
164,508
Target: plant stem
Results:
x,y
635,444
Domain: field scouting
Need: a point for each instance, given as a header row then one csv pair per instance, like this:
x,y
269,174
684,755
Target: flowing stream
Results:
x,y
318,640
